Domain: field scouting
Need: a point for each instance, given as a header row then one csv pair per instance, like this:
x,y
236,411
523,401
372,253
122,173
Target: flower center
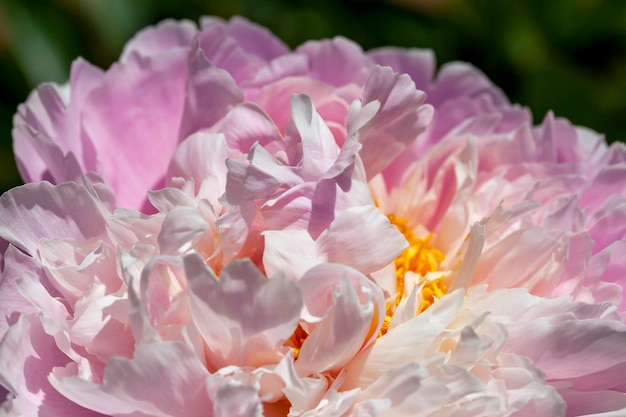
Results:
x,y
420,258
296,340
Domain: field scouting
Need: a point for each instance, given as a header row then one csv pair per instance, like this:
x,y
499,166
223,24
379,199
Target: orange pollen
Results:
x,y
296,340
420,258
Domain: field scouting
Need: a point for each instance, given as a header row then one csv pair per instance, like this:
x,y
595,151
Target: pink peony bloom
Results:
x,y
218,225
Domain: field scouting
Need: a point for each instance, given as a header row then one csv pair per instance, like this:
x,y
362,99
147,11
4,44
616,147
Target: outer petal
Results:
x,y
133,120
146,385
210,93
419,64
12,302
338,61
35,211
164,37
27,356
238,46
462,80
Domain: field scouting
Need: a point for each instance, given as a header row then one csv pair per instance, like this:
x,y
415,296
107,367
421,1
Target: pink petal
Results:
x,y
247,124
236,335
419,64
182,229
363,238
238,46
97,327
275,98
254,39
405,343
597,403
338,61
401,118
27,356
147,384
462,80
319,149
35,211
579,343
162,38
74,266
291,252
610,181
133,121
209,94
351,311
12,302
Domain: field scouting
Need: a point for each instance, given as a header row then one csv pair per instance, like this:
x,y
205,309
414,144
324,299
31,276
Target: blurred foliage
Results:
x,y
564,55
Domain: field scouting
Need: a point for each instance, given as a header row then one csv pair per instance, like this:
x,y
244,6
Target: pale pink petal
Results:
x,y
74,266
410,390
580,343
361,237
181,231
147,384
302,393
292,252
12,302
95,326
405,343
235,335
608,226
161,289
201,156
462,278
247,124
35,211
167,199
47,127
46,146
520,267
27,356
334,404
232,399
36,155
319,150
401,118
351,312
609,267
37,295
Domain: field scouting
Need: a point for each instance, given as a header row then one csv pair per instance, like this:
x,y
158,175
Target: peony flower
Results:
x,y
218,225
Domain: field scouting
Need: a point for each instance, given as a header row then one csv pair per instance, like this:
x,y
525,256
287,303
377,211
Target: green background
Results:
x,y
564,55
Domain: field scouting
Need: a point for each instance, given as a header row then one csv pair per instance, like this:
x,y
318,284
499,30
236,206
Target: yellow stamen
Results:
x,y
430,292
420,258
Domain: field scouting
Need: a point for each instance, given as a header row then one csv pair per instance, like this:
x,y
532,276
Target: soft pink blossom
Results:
x,y
218,225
